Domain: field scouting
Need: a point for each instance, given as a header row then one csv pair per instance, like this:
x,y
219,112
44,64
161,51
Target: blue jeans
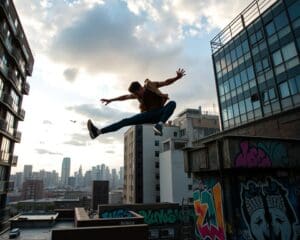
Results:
x,y
154,116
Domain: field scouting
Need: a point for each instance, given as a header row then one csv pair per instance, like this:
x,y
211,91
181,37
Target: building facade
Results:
x,y
256,62
65,171
141,163
99,193
33,189
16,63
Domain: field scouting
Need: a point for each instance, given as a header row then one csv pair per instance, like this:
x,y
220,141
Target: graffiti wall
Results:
x,y
270,209
209,210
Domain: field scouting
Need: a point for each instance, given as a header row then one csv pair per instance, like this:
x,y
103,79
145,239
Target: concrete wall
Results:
x,y
108,232
246,188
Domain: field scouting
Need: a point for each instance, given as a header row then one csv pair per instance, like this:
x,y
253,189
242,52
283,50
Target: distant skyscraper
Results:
x,y
65,171
27,173
121,177
99,193
114,179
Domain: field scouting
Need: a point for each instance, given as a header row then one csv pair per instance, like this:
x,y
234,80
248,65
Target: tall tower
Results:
x,y
65,171
27,172
16,63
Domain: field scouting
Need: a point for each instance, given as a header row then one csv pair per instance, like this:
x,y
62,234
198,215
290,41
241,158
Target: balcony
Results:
x,y
17,136
25,88
21,114
3,125
4,157
7,100
14,161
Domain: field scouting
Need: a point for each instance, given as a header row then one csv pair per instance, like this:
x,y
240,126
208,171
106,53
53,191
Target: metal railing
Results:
x,y
244,19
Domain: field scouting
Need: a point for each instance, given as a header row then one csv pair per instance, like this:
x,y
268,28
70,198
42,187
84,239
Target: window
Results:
x,y
182,132
284,90
244,76
250,73
231,83
245,46
156,164
272,94
293,86
175,134
242,107
289,51
5,147
235,110
156,143
280,20
277,58
237,79
15,100
226,87
239,51
221,89
294,10
230,112
10,122
156,153
249,106
270,28
190,187
224,114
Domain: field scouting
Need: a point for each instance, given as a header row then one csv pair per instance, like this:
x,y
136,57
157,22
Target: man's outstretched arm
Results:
x,y
121,98
179,74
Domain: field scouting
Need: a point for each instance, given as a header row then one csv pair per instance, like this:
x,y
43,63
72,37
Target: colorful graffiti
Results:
x,y
262,154
152,216
208,208
267,210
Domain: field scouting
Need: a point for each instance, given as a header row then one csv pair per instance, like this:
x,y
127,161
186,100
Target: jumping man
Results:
x,y
152,106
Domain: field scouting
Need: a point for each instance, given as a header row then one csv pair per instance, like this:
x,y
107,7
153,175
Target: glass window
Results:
x,y
233,55
242,107
218,66
272,94
244,76
221,89
250,73
259,35
277,58
228,59
293,86
294,10
258,66
265,63
298,82
230,112
224,113
284,90
245,46
156,143
265,96
237,79
249,106
280,20
270,28
156,153
239,52
253,39
289,51
256,104
235,110
226,87
231,83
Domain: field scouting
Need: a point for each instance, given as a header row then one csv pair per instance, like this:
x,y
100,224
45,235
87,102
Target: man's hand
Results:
x,y
105,101
180,73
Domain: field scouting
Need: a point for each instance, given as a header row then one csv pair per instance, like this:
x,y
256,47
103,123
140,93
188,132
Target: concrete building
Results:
x,y
115,196
33,189
141,163
248,174
65,171
27,172
99,193
16,63
193,124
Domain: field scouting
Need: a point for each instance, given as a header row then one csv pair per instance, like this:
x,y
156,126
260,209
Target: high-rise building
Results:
x,y
114,179
65,171
33,189
256,62
16,63
27,172
193,125
99,193
141,163
121,177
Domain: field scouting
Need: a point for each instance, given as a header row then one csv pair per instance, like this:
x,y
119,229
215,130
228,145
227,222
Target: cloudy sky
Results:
x,y
85,50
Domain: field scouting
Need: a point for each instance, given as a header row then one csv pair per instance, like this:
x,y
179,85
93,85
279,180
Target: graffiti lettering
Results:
x,y
119,213
208,208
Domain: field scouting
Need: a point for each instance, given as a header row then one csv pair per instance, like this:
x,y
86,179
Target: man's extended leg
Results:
x,y
165,114
141,118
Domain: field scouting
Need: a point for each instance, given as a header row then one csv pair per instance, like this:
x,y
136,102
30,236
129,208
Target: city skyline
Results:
x,y
75,67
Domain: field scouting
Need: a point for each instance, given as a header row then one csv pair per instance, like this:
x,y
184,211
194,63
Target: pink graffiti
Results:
x,y
252,157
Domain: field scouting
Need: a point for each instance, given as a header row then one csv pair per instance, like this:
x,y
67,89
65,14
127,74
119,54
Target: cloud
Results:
x,y
82,139
99,114
45,151
110,151
47,122
70,74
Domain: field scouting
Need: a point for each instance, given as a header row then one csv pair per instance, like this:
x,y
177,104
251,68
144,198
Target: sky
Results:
x,y
85,50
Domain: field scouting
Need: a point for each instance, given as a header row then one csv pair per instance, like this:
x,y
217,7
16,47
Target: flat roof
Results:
x,y
37,216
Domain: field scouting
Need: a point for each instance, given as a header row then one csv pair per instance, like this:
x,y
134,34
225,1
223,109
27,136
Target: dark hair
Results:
x,y
134,86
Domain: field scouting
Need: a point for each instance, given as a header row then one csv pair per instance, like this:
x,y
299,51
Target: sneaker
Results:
x,y
158,129
93,130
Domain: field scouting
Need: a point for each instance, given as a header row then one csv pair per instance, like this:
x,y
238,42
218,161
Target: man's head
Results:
x,y
136,88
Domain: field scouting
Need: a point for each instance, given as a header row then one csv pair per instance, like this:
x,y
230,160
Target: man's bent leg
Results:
x,y
141,118
167,111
